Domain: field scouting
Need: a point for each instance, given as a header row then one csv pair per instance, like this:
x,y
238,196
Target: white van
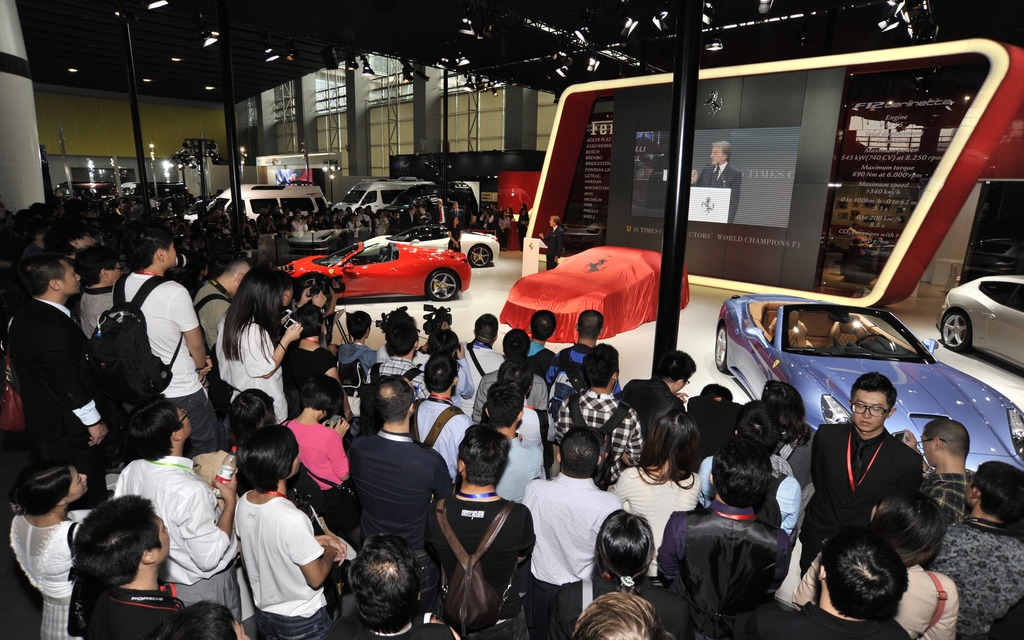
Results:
x,y
377,194
259,198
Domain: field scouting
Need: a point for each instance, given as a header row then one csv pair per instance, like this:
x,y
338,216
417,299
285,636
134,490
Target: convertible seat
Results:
x,y
796,334
846,333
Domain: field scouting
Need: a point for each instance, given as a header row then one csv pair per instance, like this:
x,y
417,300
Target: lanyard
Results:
x,y
171,464
439,398
849,462
145,273
735,516
477,496
275,493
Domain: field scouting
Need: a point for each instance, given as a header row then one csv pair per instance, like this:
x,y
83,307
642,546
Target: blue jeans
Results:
x,y
273,626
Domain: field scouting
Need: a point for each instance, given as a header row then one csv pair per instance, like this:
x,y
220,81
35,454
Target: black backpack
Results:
x,y
370,422
119,353
353,376
570,380
603,473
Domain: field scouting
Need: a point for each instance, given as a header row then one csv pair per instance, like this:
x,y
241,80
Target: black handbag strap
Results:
x,y
140,296
71,547
476,363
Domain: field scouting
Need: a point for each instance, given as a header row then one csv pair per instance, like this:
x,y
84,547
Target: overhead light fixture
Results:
x,y
367,71
628,26
461,60
292,53
466,28
157,4
563,68
268,51
889,23
469,83
583,34
445,62
177,59
896,18
209,37
714,45
72,70
592,64
209,87
494,91
350,63
407,72
764,6
709,12
660,19
147,79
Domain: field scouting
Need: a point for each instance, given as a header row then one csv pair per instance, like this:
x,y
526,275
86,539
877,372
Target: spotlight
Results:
x,y
466,28
461,60
407,72
628,26
709,12
209,37
660,19
592,64
350,63
469,83
494,91
157,4
764,6
714,45
563,68
445,62
292,53
268,51
582,34
889,24
367,71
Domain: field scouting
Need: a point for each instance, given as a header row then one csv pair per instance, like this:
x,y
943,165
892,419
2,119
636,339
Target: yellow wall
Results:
x,y
103,127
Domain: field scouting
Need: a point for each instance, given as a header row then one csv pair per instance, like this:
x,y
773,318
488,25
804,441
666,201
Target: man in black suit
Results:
x,y
442,215
61,417
854,465
722,175
662,393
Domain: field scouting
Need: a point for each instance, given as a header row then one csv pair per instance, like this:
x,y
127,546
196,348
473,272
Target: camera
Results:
x,y
318,283
437,317
388,320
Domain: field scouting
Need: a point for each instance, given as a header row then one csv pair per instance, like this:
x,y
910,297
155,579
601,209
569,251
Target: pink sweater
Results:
x,y
321,451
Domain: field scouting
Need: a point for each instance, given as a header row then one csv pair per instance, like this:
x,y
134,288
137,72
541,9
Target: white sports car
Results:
x,y
986,314
480,248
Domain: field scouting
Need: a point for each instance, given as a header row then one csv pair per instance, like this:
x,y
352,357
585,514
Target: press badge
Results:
x,y
466,513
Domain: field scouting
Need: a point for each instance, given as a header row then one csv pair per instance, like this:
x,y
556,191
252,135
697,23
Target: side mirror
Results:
x,y
931,345
414,241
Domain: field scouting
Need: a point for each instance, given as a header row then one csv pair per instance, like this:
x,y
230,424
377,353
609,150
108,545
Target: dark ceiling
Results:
x,y
86,35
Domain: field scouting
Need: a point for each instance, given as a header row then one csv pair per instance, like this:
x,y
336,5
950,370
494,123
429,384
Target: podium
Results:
x,y
709,204
531,255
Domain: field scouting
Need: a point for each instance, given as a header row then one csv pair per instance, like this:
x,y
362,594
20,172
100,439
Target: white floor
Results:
x,y
490,286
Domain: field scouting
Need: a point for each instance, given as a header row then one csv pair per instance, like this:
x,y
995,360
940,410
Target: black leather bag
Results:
x,y
84,594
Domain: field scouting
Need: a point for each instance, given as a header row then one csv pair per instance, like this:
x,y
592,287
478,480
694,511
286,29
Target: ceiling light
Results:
x,y
350,63
444,62
407,72
889,24
367,71
157,4
466,28
461,60
209,37
764,6
709,12
714,45
177,59
269,53
292,52
494,91
592,64
628,26
469,83
147,79
209,87
72,70
660,19
583,34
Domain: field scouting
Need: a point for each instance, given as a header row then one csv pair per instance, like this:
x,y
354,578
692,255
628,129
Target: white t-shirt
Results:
x,y
276,540
257,351
169,313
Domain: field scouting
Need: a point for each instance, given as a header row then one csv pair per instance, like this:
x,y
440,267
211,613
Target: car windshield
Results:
x,y
849,332
353,196
336,258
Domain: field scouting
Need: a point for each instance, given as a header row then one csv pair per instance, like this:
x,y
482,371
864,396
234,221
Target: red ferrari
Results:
x,y
390,269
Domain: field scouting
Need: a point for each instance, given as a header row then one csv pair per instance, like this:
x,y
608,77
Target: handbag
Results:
x,y
12,413
334,584
84,594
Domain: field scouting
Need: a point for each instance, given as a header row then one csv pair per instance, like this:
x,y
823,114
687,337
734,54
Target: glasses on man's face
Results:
x,y
184,416
875,410
920,443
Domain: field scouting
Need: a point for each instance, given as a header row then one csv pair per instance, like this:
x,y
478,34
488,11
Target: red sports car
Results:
x,y
390,269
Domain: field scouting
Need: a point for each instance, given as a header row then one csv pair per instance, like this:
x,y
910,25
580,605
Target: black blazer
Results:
x,y
46,353
834,505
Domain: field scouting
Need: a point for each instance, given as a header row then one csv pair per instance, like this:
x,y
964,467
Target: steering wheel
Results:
x,y
886,343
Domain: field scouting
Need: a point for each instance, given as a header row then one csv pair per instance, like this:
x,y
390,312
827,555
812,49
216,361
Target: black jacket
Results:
x,y
650,399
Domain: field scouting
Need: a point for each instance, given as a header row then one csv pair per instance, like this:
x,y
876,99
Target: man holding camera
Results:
x,y
174,332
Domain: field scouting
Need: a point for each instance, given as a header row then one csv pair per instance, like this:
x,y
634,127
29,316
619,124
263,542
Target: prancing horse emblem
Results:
x,y
594,267
707,205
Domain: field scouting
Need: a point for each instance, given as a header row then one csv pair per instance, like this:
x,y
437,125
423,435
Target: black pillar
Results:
x,y
133,99
444,139
684,107
228,94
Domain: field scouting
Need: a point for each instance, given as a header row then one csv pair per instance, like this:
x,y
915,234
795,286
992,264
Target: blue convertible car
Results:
x,y
822,348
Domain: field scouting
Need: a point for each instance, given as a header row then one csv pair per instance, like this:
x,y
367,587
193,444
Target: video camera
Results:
x,y
387,320
437,317
319,283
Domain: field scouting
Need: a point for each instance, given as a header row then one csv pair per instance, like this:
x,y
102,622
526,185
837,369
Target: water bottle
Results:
x,y
228,467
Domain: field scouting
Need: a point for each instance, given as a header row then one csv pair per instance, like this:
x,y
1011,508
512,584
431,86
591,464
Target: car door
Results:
x,y
365,275
1004,320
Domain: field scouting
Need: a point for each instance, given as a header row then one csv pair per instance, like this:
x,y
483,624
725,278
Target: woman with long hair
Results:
x,y
913,524
663,481
309,359
251,343
41,536
625,548
784,404
455,235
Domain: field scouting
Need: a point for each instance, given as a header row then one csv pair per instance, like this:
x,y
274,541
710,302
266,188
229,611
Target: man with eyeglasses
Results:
x,y
854,464
944,444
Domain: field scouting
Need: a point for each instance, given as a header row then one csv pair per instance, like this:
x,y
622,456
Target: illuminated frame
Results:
x,y
997,102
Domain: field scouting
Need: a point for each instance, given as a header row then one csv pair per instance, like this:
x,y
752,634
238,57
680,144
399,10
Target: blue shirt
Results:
x,y
524,463
788,495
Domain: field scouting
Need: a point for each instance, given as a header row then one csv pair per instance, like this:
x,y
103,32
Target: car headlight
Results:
x,y
833,412
1016,421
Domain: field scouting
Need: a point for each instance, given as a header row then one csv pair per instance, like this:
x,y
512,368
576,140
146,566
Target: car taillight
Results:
x,y
832,411
1016,421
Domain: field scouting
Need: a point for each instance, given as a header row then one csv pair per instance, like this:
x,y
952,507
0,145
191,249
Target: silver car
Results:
x,y
986,314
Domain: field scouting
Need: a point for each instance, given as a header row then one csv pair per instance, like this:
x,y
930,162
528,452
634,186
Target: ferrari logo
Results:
x,y
594,267
707,205
330,271
775,364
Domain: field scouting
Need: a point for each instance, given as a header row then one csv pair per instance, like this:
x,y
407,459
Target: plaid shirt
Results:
x,y
949,490
597,409
397,367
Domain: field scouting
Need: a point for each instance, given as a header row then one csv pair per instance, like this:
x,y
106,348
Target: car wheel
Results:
x,y
442,285
956,331
722,349
480,255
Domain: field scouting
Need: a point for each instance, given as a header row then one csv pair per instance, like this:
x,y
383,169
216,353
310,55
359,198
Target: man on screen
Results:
x,y
720,174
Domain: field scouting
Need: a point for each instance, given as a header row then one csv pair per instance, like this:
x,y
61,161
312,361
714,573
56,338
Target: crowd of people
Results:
x,y
482,487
